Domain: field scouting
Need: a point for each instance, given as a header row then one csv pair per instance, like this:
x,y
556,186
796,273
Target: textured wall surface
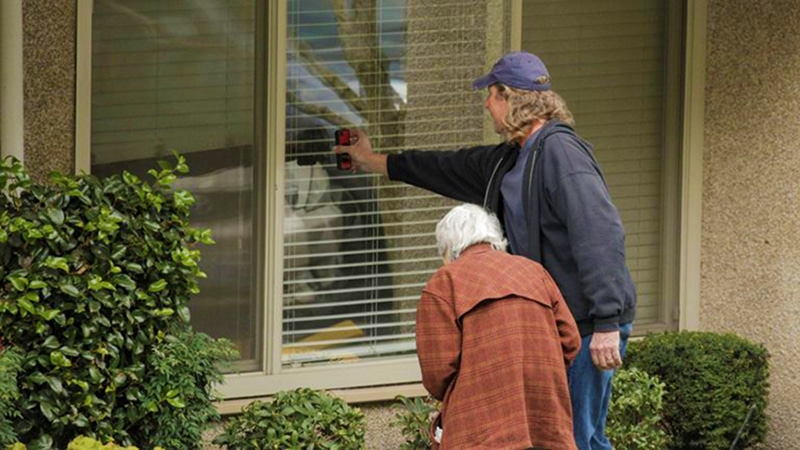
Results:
x,y
751,185
49,65
381,434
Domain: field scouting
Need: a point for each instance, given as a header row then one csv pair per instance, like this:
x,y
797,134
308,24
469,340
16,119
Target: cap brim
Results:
x,y
484,81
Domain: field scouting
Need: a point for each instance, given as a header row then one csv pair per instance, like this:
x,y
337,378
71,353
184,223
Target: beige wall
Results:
x,y
751,188
49,65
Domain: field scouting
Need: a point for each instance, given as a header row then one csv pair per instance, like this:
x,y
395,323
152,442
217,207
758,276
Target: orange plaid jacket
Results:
x,y
494,339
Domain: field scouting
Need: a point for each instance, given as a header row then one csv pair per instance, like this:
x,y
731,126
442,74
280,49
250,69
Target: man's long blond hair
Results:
x,y
526,107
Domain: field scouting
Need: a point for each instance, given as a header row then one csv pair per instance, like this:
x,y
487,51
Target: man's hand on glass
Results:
x,y
363,157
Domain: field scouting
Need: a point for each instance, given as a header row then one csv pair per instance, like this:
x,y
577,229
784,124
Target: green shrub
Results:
x,y
414,417
85,443
10,361
301,418
712,380
634,412
182,372
96,277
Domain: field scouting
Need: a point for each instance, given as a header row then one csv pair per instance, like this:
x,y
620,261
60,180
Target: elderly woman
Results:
x,y
494,339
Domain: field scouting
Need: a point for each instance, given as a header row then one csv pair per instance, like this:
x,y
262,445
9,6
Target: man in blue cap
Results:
x,y
547,189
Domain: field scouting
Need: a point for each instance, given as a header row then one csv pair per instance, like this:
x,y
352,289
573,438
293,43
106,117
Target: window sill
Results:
x,y
356,395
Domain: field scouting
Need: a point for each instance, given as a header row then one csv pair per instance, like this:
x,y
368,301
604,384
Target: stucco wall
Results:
x,y
49,65
751,184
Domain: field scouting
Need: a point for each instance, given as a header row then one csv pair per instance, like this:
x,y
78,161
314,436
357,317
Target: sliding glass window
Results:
x,y
359,249
179,76
355,250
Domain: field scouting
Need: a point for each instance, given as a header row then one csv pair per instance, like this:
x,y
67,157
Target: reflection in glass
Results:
x,y
179,75
345,68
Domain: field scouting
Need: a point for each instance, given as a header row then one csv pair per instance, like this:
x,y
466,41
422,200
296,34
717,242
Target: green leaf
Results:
x,y
167,179
47,410
87,330
183,198
134,267
158,286
102,320
84,386
37,284
164,312
43,442
19,283
56,216
26,305
96,283
51,343
59,360
176,402
69,351
95,375
58,263
81,421
38,378
69,289
49,314
55,385
124,281
130,178
119,252
120,378
185,314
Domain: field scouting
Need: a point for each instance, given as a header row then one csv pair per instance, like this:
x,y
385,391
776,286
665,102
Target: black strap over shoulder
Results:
x,y
531,210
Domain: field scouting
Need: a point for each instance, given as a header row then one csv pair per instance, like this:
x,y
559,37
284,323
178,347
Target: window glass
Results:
x,y
357,248
178,75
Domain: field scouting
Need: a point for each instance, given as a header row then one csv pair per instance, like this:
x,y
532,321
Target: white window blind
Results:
x,y
358,249
608,60
179,75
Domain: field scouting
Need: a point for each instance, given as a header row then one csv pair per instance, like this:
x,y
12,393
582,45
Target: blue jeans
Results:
x,y
590,390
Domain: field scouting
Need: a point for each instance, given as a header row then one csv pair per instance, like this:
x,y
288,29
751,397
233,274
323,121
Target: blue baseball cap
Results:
x,y
521,70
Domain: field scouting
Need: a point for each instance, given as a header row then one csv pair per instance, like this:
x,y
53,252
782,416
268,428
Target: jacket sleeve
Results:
x,y
461,174
568,331
580,199
438,343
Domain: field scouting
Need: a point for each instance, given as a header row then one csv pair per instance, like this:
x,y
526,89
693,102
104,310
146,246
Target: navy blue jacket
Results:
x,y
576,232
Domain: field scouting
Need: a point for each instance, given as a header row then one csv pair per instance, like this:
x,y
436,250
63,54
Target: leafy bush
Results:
x,y
183,369
96,276
712,380
10,360
414,419
634,412
85,443
301,418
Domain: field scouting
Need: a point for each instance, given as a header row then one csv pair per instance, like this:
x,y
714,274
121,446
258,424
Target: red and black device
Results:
x,y
343,160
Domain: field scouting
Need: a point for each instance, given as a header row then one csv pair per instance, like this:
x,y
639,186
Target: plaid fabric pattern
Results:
x,y
494,338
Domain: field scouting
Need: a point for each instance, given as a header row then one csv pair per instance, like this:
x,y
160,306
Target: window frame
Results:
x,y
682,262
